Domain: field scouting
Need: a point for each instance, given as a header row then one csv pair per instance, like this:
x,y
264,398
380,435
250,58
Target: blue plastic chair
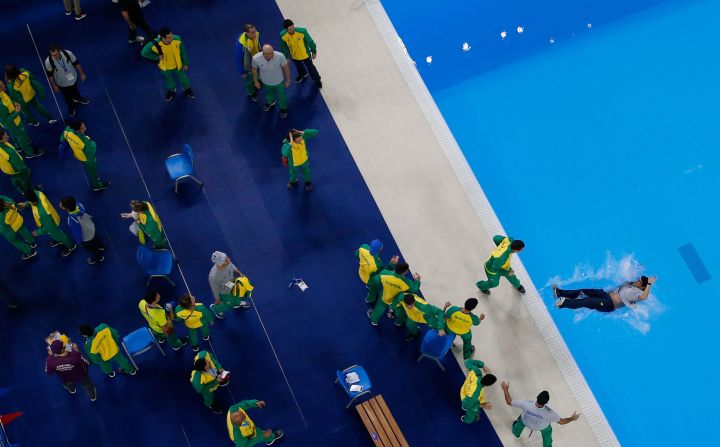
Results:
x,y
364,382
139,341
181,166
155,263
435,346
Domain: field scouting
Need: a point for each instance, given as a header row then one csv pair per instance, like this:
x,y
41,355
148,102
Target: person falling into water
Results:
x,y
627,294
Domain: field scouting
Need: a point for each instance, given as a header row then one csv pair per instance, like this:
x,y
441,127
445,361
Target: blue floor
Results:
x,y
286,350
600,152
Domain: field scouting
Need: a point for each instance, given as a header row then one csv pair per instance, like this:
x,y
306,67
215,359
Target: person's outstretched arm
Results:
x,y
569,419
506,391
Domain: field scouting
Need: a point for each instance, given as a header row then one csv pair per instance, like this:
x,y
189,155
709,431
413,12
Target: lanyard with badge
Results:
x,y
69,74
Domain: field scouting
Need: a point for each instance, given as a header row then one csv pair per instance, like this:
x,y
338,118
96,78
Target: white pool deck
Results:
x,y
437,212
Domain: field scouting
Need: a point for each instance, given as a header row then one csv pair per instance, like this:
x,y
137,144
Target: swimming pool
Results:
x,y
592,129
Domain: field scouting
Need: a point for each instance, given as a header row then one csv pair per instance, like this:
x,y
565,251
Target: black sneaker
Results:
x,y
369,312
268,106
101,248
216,409
254,97
278,435
53,243
37,153
216,313
189,93
319,84
170,95
103,185
184,342
52,121
521,289
32,254
137,39
34,124
308,186
196,348
67,13
81,16
93,398
93,261
33,245
283,113
485,291
291,185
65,252
206,338
81,100
300,78
112,374
71,113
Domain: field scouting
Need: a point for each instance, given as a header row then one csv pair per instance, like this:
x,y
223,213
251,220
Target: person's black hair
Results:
x,y
86,330
54,47
164,32
185,301
12,72
74,125
3,132
644,281
471,303
295,133
488,379
199,365
248,26
69,203
401,268
31,196
517,245
150,295
409,299
543,397
287,23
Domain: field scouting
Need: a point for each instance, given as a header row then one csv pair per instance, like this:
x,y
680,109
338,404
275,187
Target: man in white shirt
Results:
x,y
271,68
63,70
627,294
536,416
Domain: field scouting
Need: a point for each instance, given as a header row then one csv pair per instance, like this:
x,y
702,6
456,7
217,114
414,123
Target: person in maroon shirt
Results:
x,y
71,367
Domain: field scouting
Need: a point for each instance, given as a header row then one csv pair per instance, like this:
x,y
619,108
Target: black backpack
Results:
x,y
52,61
157,46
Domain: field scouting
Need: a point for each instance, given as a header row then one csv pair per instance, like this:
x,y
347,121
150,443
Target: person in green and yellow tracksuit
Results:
x,y
412,310
205,378
84,150
168,50
197,318
102,347
13,228
297,45
295,156
47,221
12,164
392,285
11,120
243,431
148,223
370,263
459,321
472,392
247,46
160,319
499,264
236,297
27,91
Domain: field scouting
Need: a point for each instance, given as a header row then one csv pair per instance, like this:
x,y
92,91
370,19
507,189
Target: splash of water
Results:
x,y
613,272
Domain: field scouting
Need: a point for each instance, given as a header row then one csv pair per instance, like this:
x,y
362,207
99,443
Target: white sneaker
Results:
x,y
559,302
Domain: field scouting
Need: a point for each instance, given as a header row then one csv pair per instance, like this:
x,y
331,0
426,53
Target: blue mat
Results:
x,y
286,350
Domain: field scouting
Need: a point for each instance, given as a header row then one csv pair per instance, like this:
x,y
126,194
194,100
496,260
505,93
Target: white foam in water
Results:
x,y
503,35
612,273
466,47
520,29
551,40
589,26
428,59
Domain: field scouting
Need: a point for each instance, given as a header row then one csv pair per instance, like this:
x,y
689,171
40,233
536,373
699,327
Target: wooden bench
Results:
x,y
380,423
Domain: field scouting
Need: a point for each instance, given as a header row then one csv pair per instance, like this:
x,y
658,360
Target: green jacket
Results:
x,y
473,401
6,116
434,316
96,358
287,147
148,53
413,286
5,229
17,96
378,262
196,376
310,46
14,158
497,260
241,441
85,146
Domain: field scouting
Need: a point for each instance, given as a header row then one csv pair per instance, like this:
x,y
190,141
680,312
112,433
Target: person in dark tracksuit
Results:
x,y
82,229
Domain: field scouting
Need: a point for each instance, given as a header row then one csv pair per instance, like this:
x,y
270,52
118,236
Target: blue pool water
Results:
x,y
594,133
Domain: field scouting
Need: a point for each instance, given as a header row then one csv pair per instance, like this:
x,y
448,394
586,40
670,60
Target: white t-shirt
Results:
x,y
270,71
533,417
63,69
629,294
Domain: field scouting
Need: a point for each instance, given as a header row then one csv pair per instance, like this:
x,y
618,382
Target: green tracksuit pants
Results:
x,y
472,410
467,342
20,136
171,338
250,84
401,318
122,362
374,287
546,432
37,105
275,92
494,279
257,439
304,169
193,334
91,170
21,181
208,397
228,301
170,81
157,238
59,235
20,240
380,308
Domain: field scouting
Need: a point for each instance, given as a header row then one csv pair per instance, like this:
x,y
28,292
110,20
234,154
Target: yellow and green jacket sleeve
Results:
x,y
94,358
7,116
309,42
496,263
310,133
148,53
476,367
434,316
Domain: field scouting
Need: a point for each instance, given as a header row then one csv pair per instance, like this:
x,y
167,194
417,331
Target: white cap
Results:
x,y
218,258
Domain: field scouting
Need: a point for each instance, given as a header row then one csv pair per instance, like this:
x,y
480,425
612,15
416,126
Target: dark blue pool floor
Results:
x,y
286,350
